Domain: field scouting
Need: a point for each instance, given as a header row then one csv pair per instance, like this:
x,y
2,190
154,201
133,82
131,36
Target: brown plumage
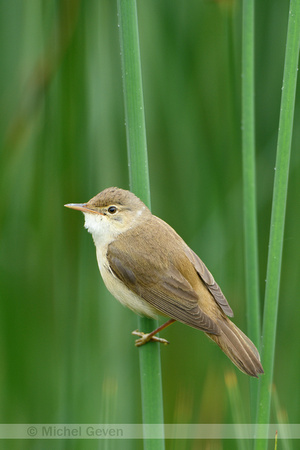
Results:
x,y
187,291
148,267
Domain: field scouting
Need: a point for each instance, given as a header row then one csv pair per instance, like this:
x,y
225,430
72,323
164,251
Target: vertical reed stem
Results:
x,y
249,187
150,366
278,213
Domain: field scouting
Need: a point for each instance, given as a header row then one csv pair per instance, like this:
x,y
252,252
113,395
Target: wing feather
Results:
x,y
208,279
158,280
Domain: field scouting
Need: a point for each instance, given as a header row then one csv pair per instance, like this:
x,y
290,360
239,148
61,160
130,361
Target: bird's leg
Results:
x,y
146,337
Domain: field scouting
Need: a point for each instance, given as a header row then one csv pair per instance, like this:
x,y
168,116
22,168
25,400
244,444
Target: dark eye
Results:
x,y
112,209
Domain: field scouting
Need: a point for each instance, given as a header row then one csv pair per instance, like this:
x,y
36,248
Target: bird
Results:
x,y
150,269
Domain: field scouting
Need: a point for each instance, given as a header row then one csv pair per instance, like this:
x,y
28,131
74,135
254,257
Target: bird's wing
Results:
x,y
202,271
209,281
160,280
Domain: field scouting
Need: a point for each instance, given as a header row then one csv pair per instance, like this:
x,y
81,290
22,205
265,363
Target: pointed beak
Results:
x,y
82,207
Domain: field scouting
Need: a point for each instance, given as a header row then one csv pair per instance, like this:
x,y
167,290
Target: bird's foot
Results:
x,y
147,337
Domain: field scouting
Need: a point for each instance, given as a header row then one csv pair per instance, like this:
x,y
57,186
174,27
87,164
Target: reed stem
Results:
x,y
150,366
278,214
249,187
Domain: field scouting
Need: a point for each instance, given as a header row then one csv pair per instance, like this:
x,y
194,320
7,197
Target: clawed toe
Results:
x,y
147,337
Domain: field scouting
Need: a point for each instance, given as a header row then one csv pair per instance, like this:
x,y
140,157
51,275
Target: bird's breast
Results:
x,y
121,292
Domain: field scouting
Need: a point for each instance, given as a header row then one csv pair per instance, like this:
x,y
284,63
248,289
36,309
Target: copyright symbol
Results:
x,y
32,431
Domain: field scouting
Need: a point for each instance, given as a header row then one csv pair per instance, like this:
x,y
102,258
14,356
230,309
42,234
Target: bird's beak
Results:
x,y
84,207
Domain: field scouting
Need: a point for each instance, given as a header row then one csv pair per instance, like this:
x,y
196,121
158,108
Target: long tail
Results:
x,y
238,347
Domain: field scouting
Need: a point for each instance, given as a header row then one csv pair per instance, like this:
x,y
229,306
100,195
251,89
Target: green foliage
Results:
x,y
67,354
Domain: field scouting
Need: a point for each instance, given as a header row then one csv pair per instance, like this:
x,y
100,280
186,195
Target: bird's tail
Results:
x,y
238,347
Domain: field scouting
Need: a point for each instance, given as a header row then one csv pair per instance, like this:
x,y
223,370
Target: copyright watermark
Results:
x,y
149,431
32,431
66,431
78,431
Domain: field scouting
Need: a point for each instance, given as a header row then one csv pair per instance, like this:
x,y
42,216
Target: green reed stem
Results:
x,y
249,187
278,213
150,366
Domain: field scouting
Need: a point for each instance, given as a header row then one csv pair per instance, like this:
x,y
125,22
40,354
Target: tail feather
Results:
x,y
238,347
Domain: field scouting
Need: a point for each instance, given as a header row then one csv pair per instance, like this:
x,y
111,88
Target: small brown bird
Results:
x,y
146,265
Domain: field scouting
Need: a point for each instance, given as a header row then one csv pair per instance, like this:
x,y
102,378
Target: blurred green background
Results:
x,y
66,350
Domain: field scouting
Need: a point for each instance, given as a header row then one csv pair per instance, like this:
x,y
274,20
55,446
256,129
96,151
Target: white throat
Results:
x,y
102,229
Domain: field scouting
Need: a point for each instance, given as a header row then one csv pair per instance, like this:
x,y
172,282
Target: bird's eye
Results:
x,y
112,209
